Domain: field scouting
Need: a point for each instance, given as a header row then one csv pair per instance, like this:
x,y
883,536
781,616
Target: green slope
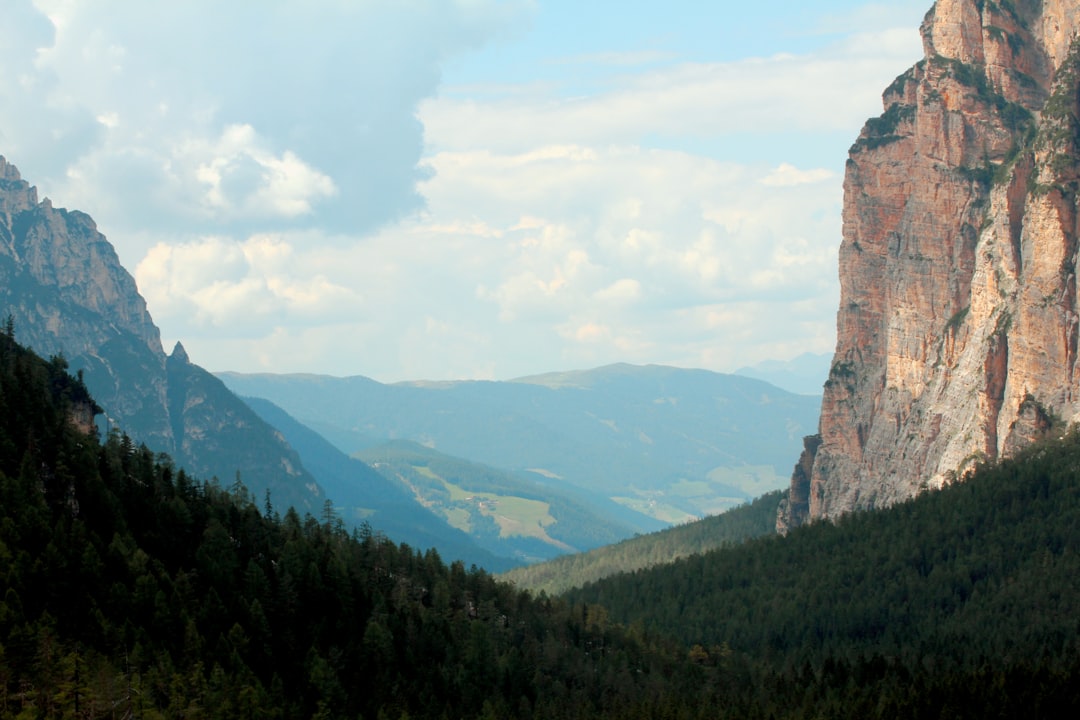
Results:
x,y
506,514
963,601
361,494
668,444
645,551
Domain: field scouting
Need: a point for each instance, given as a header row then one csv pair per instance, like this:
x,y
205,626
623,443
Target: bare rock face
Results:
x,y
62,284
957,328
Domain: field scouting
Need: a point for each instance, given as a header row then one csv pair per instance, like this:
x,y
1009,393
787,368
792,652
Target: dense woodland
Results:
x,y
129,589
962,603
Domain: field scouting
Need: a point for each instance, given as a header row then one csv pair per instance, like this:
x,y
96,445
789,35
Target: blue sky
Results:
x,y
446,189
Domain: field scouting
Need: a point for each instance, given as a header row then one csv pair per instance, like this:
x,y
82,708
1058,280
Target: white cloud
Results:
x,y
570,257
211,116
787,175
620,292
216,286
294,202
828,91
242,179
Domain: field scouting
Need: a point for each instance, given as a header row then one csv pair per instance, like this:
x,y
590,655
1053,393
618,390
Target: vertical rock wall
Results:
x,y
957,328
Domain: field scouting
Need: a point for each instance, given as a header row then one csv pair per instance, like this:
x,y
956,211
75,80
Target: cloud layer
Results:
x,y
232,116
295,190
560,257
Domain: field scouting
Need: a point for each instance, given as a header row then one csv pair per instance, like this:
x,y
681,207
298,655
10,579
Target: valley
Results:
x,y
668,444
890,531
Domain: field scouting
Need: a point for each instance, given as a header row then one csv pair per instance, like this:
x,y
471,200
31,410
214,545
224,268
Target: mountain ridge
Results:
x,y
668,443
62,285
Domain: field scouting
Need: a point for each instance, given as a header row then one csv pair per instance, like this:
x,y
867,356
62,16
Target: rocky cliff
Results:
x,y
62,284
957,327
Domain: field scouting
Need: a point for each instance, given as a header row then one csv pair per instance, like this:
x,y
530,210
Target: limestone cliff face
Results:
x,y
62,283
957,328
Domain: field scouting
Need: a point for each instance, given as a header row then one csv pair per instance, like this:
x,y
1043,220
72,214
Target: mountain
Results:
x,y
360,494
63,288
506,514
666,444
803,375
957,327
646,551
130,589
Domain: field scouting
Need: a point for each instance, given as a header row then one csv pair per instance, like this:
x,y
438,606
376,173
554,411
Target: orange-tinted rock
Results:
x,y
957,327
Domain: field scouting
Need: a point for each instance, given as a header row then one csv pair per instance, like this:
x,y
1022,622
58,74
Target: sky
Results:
x,y
459,189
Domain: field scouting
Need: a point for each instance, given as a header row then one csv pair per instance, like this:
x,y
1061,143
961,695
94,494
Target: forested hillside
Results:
x,y
129,589
962,603
645,551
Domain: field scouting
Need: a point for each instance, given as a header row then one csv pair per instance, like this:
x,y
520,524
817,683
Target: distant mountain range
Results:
x,y
803,375
494,473
667,443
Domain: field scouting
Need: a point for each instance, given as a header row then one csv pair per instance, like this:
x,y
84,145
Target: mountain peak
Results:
x,y
179,354
16,195
8,171
67,292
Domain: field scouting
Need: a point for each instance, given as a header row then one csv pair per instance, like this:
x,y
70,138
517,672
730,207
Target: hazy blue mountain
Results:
x,y
668,443
502,511
804,375
362,494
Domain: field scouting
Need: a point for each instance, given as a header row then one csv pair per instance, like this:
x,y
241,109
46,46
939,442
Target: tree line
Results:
x,y
964,602
130,589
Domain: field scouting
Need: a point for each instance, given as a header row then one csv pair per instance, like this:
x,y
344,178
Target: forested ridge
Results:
x,y
964,602
727,529
130,589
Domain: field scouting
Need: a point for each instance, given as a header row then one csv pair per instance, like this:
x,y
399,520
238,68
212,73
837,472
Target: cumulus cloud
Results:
x,y
788,175
241,178
217,286
36,119
297,194
231,116
570,258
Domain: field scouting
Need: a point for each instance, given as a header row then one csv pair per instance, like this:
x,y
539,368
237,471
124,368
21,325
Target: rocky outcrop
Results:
x,y
958,322
62,284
